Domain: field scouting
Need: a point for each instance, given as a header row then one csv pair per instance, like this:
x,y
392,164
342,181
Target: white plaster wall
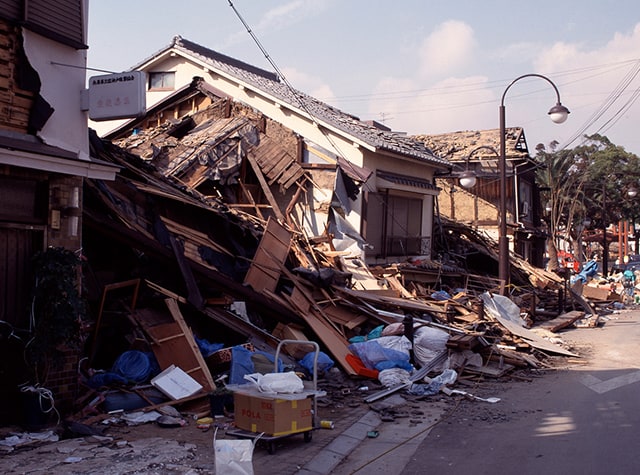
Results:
x,y
358,154
62,87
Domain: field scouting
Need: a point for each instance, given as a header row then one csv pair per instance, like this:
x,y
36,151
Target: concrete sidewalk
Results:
x,y
372,446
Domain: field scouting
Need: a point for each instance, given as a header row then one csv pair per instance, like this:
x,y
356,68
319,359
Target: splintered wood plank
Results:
x,y
336,343
265,186
173,343
491,369
299,300
280,162
299,175
285,173
267,155
273,173
272,252
201,370
332,339
345,317
561,321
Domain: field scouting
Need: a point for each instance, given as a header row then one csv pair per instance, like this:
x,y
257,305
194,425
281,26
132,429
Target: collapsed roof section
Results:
x,y
270,84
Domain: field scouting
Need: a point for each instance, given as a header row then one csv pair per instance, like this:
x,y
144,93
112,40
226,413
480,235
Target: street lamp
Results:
x,y
558,114
467,178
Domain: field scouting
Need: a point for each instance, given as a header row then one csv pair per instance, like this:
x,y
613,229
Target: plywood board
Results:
x,y
172,343
272,252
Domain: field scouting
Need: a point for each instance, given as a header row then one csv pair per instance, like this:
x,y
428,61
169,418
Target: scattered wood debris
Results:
x,y
173,266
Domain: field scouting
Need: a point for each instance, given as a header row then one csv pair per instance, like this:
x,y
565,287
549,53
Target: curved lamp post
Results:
x,y
467,178
558,114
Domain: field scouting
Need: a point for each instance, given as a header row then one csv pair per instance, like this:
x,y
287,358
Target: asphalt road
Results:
x,y
583,418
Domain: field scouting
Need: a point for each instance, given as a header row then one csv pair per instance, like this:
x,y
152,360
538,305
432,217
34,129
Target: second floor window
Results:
x,y
163,81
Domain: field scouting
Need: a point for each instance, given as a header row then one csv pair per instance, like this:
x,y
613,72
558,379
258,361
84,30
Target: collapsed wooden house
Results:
x,y
198,238
228,225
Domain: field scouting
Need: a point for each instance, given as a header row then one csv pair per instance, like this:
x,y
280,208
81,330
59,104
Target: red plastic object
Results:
x,y
359,367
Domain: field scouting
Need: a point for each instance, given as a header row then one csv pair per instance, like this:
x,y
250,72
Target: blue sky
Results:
x,y
418,66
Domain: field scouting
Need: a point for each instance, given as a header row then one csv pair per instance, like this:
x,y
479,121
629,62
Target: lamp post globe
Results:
x,y
558,113
467,179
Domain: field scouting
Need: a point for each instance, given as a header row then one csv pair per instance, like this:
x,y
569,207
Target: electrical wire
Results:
x,y
618,115
611,99
498,84
46,401
302,104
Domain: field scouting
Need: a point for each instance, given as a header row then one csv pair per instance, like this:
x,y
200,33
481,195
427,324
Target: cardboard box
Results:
x,y
272,416
292,332
175,383
599,293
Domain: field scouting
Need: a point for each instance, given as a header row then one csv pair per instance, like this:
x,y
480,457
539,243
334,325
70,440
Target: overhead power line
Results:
x,y
611,99
303,106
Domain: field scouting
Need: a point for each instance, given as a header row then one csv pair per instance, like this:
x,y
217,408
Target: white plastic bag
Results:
x,y
288,382
233,457
428,343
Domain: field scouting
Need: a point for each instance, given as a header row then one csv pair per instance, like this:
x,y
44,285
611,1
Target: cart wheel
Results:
x,y
271,447
307,436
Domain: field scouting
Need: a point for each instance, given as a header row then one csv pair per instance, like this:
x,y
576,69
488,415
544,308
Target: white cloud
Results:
x,y
447,50
597,86
308,84
283,15
449,105
516,53
280,17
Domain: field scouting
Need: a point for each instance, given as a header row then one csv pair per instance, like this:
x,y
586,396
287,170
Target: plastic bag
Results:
x,y
233,457
288,382
242,363
393,377
324,363
135,366
448,376
384,352
428,343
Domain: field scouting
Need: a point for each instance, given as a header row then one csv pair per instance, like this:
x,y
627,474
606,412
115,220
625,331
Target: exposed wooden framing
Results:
x,y
265,188
165,292
193,235
344,317
562,321
226,318
135,283
249,197
413,305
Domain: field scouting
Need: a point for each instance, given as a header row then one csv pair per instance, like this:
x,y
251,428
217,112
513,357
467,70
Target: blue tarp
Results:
x,y
588,270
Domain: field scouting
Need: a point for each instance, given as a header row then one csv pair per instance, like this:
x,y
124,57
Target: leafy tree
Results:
x,y
591,180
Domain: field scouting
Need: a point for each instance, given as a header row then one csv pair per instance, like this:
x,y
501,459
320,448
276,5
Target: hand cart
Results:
x,y
270,440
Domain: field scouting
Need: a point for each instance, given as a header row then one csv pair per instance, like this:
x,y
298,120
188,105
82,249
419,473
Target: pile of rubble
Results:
x,y
180,276
198,260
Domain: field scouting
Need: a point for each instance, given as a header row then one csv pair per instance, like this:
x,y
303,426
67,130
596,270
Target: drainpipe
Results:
x,y
516,195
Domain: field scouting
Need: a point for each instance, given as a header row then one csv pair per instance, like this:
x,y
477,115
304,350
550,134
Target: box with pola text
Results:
x,y
273,416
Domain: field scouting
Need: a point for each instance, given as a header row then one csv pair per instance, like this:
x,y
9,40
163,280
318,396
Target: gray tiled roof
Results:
x,y
270,83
